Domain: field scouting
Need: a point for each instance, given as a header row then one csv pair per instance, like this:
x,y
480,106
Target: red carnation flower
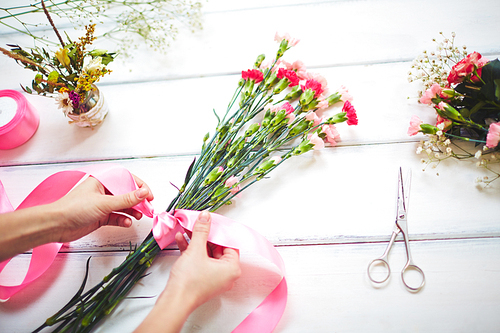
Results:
x,y
313,85
252,74
289,75
352,118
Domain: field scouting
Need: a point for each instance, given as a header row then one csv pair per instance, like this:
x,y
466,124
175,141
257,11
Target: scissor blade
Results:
x,y
403,191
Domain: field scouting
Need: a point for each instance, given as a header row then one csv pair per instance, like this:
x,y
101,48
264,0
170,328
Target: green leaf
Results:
x,y
497,90
218,119
489,73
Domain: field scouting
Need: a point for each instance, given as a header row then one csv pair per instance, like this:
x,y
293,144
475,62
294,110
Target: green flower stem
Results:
x,y
463,138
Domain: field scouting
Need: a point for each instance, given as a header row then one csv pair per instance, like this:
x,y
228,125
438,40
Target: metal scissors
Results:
x,y
401,226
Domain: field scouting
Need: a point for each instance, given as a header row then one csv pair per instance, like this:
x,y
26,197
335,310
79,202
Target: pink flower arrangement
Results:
x,y
463,91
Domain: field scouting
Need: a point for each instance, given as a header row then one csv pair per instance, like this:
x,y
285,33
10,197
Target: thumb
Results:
x,y
128,200
201,230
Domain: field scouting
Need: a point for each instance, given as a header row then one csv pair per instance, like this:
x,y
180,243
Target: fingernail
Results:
x,y
141,193
204,217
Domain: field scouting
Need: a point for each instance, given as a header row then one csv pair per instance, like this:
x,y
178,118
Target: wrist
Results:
x,y
27,228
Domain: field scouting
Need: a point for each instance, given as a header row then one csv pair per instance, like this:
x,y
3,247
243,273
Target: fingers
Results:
x,y
128,200
201,230
141,184
181,242
119,220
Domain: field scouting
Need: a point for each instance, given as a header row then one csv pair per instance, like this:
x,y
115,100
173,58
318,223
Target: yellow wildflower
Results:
x,y
62,56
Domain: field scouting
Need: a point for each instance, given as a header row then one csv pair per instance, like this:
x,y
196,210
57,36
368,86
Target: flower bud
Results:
x,y
259,60
266,165
310,106
271,80
302,148
282,48
300,127
282,84
213,175
337,119
333,98
252,129
306,97
451,113
38,78
280,115
428,129
295,93
267,118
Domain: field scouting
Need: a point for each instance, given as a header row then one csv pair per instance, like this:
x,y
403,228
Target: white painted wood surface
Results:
x,y
329,213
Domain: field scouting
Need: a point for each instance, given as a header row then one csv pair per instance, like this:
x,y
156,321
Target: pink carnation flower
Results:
x,y
287,107
252,74
291,41
235,190
352,117
466,67
322,103
275,159
447,122
441,105
231,181
493,136
318,78
431,93
345,94
414,125
316,141
332,135
312,116
291,118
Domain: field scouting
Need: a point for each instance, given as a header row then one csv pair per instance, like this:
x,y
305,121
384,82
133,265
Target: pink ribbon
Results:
x,y
118,180
22,126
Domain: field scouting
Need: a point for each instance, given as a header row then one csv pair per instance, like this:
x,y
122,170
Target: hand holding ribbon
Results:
x,y
224,232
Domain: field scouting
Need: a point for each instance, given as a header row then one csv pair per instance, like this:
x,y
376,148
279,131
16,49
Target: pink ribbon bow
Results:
x,y
118,180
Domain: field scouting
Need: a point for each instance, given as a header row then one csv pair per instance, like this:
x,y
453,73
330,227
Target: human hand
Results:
x,y
204,270
87,207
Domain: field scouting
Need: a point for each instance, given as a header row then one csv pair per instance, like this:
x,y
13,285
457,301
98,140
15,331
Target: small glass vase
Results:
x,y
96,107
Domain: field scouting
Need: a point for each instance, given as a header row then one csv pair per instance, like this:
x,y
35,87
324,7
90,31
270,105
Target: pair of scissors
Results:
x,y
401,226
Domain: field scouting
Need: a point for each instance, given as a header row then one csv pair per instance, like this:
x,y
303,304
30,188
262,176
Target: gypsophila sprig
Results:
x,y
464,90
130,23
275,114
69,73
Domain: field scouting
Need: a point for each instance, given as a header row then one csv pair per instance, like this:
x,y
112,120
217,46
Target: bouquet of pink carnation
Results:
x,y
464,90
279,115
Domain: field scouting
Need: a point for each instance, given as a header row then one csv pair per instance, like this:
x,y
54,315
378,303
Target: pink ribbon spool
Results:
x,y
18,119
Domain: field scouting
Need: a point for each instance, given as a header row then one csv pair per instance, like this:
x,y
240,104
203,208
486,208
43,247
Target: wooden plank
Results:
x,y
140,124
328,291
341,194
332,33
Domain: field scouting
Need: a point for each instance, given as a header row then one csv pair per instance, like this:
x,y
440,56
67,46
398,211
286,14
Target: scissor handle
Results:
x,y
411,266
382,260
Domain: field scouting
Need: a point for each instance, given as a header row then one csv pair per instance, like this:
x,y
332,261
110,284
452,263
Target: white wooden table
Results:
x,y
329,213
